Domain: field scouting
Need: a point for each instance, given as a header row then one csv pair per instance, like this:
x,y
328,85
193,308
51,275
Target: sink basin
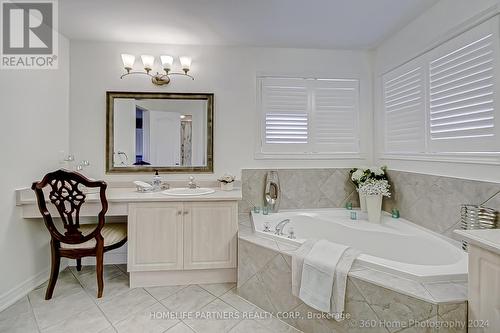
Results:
x,y
184,191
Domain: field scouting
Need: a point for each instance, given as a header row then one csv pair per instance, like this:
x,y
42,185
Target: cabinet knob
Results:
x,y
179,212
186,212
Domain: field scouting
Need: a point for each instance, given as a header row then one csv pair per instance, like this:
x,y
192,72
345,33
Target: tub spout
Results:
x,y
278,230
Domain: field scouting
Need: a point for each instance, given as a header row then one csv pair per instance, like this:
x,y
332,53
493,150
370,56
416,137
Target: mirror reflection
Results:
x,y
160,133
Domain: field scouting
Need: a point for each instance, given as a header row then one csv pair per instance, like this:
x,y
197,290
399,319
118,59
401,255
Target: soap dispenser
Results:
x,y
156,181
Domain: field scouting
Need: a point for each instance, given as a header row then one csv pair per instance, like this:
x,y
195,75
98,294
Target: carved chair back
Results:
x,y
67,195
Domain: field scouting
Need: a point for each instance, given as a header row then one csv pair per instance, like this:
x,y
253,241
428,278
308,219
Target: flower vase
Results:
x,y
226,186
374,207
362,202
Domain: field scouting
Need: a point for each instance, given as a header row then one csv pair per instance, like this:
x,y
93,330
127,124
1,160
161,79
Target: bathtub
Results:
x,y
395,246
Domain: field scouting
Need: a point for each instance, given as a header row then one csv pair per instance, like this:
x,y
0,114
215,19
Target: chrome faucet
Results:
x,y
192,183
278,230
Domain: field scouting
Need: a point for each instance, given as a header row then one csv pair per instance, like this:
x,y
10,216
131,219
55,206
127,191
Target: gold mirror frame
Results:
x,y
110,98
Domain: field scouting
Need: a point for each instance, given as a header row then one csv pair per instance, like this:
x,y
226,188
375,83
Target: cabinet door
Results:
x,y
155,236
210,232
484,290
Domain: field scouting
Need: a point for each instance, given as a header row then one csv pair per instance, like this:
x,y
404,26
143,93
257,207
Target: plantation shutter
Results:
x,y
335,116
463,106
404,109
285,106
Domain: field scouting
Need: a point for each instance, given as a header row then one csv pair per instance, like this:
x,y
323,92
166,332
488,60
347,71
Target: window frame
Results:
x,y
305,153
474,157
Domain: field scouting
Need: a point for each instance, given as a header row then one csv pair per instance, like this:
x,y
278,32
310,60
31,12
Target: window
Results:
x,y
445,101
309,116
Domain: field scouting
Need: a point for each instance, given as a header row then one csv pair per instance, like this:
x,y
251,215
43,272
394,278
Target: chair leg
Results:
x,y
99,267
79,264
54,270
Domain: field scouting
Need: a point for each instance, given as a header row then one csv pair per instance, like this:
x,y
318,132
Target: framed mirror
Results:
x,y
168,132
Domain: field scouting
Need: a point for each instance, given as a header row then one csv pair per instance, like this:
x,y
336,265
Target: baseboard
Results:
x,y
172,278
110,258
24,288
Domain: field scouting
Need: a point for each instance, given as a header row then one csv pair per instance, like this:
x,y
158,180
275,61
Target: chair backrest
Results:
x,y
67,196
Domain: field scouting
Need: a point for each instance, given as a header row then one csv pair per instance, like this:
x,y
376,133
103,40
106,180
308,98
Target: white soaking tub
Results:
x,y
396,246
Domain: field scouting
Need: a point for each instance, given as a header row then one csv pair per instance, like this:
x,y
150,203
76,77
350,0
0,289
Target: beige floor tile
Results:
x,y
218,289
19,324
216,317
112,288
127,304
250,326
191,298
237,302
153,319
59,309
88,321
161,293
180,328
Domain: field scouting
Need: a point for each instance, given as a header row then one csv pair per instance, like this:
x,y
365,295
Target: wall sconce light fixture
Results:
x,y
148,61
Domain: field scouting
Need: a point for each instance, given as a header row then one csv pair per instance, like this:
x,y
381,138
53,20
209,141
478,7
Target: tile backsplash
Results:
x,y
434,201
430,201
300,188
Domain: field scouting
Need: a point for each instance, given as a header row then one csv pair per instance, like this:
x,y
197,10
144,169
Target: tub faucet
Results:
x,y
278,230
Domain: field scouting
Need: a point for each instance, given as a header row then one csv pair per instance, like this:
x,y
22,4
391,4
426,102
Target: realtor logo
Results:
x,y
29,34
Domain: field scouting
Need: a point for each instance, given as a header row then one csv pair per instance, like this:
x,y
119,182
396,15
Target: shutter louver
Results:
x,y
462,92
404,109
336,114
285,103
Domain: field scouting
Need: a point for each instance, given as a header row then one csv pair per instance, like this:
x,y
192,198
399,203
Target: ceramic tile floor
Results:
x,y
74,308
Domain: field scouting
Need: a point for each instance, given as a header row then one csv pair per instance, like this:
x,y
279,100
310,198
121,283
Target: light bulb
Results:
x,y
185,63
167,62
128,61
148,62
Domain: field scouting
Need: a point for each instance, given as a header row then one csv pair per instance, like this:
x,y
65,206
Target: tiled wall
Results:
x,y
300,188
265,279
434,202
430,201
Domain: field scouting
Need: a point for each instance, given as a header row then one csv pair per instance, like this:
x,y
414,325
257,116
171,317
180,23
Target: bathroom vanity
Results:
x,y
484,278
171,239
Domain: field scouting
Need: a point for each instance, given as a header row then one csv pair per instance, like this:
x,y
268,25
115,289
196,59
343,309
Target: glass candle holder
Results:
x,y
354,216
265,210
348,205
256,209
395,213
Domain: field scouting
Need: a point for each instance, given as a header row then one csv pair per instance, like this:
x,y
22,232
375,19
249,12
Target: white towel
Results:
x,y
319,275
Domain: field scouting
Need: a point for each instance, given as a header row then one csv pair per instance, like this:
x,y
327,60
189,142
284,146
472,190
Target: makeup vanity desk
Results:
x,y
171,239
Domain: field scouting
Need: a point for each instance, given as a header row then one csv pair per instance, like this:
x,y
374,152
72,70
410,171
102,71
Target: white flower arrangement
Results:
x,y
361,175
227,178
375,187
356,175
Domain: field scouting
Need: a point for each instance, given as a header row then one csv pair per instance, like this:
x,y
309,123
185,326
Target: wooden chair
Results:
x,y
76,241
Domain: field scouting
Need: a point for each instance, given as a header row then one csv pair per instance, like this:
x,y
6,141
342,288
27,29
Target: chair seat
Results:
x,y
111,232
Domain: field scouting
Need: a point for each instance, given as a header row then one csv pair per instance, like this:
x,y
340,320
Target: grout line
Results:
x,y
33,314
494,195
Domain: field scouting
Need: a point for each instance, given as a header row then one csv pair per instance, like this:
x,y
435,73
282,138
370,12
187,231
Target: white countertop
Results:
x,y
488,239
27,196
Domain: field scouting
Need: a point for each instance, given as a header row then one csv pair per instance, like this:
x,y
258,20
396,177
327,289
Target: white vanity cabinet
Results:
x,y
155,236
484,279
182,242
171,240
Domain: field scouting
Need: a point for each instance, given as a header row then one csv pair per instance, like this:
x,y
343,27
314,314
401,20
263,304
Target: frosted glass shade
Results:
x,y
148,61
167,61
128,61
185,63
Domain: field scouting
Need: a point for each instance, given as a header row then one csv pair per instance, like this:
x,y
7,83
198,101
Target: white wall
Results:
x,y
438,23
228,72
34,117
